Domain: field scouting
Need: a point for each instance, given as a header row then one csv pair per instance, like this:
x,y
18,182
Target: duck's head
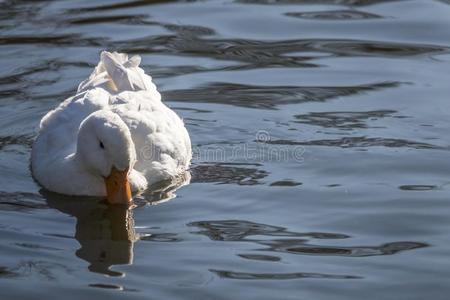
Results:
x,y
105,149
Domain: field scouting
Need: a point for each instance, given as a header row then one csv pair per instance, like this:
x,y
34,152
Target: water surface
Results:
x,y
320,132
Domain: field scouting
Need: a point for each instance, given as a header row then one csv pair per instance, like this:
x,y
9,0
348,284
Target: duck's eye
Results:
x,y
101,145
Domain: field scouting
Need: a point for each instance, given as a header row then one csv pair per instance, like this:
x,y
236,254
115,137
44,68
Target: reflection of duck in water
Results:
x,y
106,233
107,237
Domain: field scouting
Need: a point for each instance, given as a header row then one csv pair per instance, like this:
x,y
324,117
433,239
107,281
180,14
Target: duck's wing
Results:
x,y
162,142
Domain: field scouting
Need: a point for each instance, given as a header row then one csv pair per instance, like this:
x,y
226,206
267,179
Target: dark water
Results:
x,y
322,163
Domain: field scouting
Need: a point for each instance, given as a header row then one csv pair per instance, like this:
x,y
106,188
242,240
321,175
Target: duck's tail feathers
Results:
x,y
118,73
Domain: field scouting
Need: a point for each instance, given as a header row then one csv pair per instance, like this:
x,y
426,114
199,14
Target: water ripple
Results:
x,y
240,230
57,40
299,247
278,276
364,73
342,119
47,270
260,257
319,2
285,183
268,97
418,187
334,15
223,173
23,140
293,242
359,142
121,19
118,5
21,201
259,54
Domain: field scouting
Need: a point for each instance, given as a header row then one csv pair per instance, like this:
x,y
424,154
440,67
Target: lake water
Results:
x,y
321,139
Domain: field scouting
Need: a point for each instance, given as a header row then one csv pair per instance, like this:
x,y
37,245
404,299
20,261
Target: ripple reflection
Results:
x,y
342,119
223,173
316,2
106,233
293,242
334,15
268,97
278,276
359,142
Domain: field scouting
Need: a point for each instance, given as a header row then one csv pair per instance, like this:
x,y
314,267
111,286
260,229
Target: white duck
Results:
x,y
113,137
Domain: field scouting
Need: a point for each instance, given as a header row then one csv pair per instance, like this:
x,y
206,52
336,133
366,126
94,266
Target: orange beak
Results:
x,y
118,189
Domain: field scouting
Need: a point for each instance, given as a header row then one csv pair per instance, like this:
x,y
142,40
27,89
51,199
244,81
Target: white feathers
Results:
x,y
116,73
126,117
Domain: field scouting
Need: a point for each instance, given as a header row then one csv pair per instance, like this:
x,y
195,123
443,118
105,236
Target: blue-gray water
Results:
x,y
321,132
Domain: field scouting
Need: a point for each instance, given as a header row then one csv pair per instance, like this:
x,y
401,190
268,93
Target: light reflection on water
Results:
x,y
344,196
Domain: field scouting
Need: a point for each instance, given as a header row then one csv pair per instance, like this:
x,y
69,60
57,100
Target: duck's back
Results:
x,y
162,143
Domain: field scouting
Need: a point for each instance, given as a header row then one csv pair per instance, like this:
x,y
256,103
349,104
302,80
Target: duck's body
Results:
x,y
116,120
